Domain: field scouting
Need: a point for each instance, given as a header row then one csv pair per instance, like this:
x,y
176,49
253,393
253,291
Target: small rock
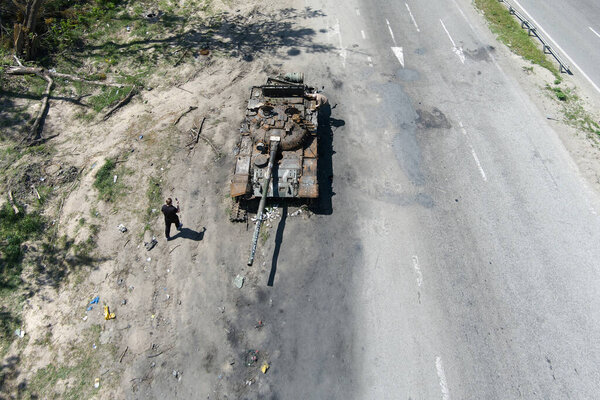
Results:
x,y
239,281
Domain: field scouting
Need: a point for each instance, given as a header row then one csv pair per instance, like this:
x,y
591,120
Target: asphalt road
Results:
x,y
574,29
460,256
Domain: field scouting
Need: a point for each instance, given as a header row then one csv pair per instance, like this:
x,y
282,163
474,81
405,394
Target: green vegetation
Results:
x,y
108,96
509,32
154,194
81,368
15,229
574,112
108,189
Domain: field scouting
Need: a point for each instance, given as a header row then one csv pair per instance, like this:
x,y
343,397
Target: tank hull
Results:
x,y
278,108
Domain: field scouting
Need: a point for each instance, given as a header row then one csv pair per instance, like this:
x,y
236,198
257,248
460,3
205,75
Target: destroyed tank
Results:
x,y
277,155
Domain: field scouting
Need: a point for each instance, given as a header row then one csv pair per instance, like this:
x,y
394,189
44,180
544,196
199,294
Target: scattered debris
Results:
x,y
123,354
264,368
270,214
170,251
177,374
148,259
150,245
107,314
190,108
20,333
251,357
259,325
133,91
122,227
297,212
85,318
95,300
115,179
123,302
239,281
97,383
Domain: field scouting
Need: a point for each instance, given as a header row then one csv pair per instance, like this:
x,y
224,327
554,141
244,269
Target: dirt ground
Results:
x,y
68,347
156,294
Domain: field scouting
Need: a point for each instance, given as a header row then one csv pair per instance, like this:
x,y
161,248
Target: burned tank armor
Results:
x,y
281,109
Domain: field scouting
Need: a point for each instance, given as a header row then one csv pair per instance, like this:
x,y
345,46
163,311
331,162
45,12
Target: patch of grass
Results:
x,y
574,112
15,229
560,95
80,369
154,196
264,236
509,32
108,96
108,189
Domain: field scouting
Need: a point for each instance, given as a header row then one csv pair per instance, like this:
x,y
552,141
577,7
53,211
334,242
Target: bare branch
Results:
x,y
120,104
21,70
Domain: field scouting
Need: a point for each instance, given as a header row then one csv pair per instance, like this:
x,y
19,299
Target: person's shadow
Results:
x,y
187,233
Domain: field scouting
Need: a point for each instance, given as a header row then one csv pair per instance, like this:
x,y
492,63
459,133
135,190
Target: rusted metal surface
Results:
x,y
279,109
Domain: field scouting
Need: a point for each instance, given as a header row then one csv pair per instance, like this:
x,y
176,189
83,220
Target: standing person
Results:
x,y
319,99
171,217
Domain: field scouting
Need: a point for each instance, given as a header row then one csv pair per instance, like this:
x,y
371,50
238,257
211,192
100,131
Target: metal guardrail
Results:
x,y
532,31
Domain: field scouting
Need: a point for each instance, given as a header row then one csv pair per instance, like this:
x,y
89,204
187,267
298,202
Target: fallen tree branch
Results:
x,y
123,355
12,202
21,70
190,109
36,192
35,129
200,130
120,104
158,354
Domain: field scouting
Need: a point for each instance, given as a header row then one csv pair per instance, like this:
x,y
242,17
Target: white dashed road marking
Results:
x,y
442,377
417,268
399,53
457,50
391,32
413,18
481,171
592,29
362,33
343,51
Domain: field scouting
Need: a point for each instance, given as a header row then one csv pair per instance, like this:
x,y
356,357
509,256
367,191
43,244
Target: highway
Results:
x,y
573,28
460,257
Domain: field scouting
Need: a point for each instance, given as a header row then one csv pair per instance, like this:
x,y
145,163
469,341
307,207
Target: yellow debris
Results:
x,y
264,368
107,314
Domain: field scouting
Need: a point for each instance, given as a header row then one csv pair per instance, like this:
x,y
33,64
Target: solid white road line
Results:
x,y
592,29
458,51
481,171
362,33
442,377
399,54
558,47
343,52
391,32
417,268
413,18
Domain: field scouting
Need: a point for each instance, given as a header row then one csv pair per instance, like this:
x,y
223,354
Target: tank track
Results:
x,y
238,211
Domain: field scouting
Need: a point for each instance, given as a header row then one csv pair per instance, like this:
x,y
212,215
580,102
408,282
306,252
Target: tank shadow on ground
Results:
x,y
278,242
324,205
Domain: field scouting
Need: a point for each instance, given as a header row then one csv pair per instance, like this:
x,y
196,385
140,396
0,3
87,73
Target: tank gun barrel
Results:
x,y
274,144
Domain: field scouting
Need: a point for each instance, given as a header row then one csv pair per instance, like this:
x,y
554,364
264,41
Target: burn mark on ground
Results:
x,y
434,119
